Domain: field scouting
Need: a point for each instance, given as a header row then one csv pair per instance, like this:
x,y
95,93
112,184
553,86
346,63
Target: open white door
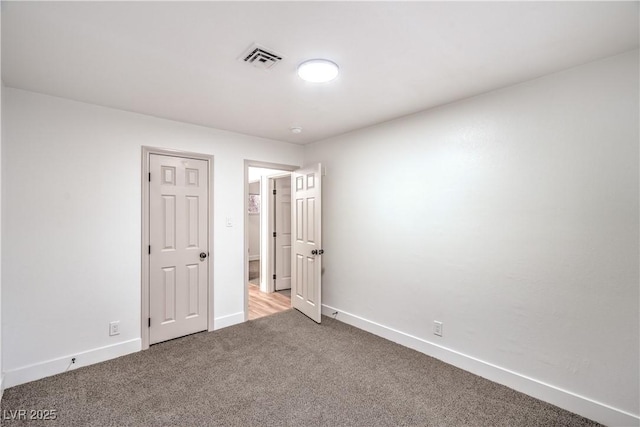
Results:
x,y
306,263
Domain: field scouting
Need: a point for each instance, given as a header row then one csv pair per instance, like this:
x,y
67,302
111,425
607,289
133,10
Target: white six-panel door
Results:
x,y
282,228
306,190
178,240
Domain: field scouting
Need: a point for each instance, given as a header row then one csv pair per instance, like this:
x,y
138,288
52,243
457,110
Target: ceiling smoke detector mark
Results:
x,y
260,57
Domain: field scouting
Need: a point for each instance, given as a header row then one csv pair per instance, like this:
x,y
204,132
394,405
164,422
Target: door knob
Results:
x,y
314,252
203,255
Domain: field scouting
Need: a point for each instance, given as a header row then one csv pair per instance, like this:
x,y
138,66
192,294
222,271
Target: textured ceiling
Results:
x,y
178,60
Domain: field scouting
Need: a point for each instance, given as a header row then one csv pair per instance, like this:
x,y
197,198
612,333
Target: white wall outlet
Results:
x,y
229,222
114,328
437,328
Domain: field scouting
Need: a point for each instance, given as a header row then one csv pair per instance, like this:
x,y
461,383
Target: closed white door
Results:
x,y
282,230
306,289
178,246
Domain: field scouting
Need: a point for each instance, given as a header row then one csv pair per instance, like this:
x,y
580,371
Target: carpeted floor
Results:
x,y
280,370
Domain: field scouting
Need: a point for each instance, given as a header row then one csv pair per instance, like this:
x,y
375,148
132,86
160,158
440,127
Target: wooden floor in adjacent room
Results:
x,y
262,304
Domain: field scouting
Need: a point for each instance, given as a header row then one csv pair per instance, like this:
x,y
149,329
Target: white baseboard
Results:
x,y
48,368
229,320
565,399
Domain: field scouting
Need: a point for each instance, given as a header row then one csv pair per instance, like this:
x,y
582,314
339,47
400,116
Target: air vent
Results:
x,y
260,57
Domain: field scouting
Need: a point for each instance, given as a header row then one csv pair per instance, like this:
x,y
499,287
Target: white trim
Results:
x,y
229,320
565,399
1,387
254,257
144,274
51,367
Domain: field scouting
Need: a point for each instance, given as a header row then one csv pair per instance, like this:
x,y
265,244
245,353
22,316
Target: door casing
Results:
x,y
247,165
144,247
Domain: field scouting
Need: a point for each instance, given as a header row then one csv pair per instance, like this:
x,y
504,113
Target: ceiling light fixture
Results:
x,y
295,129
318,70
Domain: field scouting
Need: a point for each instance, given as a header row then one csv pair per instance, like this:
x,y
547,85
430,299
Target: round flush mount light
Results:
x,y
318,71
295,129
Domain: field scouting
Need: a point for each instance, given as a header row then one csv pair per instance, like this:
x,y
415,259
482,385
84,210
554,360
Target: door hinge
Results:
x,y
274,234
149,176
149,321
274,276
274,192
149,249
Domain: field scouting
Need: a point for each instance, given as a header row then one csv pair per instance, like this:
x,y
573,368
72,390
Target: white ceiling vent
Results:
x,y
260,57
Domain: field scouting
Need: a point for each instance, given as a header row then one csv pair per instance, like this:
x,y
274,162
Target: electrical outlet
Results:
x,y
437,328
114,328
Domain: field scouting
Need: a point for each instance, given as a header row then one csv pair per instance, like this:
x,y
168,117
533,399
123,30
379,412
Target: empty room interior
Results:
x,y
320,213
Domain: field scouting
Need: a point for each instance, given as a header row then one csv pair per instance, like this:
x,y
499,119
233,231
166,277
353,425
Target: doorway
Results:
x,y
268,241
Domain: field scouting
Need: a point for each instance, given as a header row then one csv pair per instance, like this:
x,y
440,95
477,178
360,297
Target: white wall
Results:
x,y
71,218
1,346
256,173
254,226
513,218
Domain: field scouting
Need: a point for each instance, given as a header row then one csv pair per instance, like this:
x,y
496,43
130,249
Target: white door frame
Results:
x,y
247,165
144,247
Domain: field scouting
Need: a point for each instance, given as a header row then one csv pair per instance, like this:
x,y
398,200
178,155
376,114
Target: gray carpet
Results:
x,y
280,370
